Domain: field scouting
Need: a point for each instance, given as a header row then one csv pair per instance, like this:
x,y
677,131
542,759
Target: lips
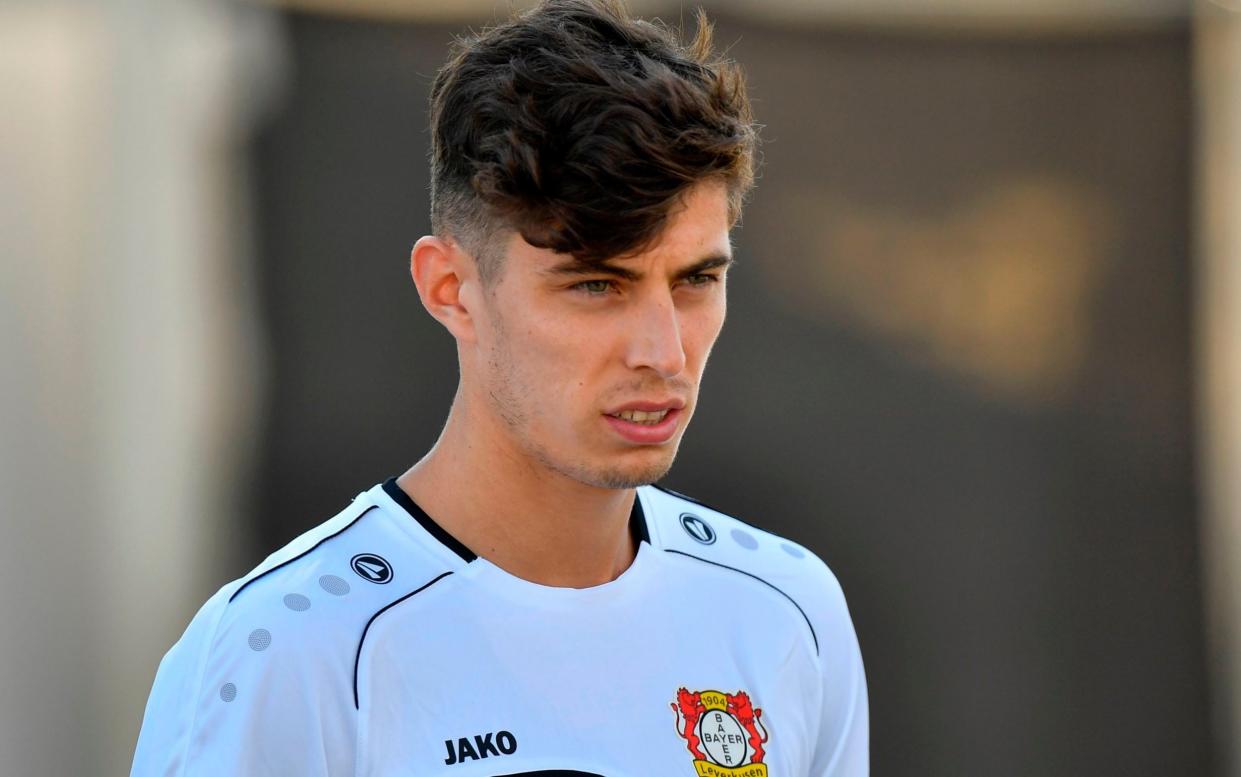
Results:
x,y
646,423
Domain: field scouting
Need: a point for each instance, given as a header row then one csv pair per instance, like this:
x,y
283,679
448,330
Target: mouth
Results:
x,y
643,417
646,423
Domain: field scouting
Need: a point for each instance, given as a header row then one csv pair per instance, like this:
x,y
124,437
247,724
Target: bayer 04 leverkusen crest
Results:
x,y
724,732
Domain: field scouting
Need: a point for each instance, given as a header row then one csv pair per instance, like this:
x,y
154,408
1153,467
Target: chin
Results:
x,y
606,466
627,475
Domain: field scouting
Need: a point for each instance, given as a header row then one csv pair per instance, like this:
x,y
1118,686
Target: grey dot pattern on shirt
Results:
x,y
744,540
228,692
260,640
334,585
296,602
792,550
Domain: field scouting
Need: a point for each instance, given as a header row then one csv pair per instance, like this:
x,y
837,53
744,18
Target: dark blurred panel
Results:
x,y
956,363
362,377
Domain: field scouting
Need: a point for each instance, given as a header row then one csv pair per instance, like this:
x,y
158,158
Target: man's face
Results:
x,y
594,373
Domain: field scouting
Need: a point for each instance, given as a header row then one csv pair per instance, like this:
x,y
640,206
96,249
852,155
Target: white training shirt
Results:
x,y
377,645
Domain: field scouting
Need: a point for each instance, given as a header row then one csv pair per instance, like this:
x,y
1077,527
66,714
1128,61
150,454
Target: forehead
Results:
x,y
697,226
698,222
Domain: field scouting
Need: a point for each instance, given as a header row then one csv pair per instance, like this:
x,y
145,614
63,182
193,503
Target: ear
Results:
x,y
442,270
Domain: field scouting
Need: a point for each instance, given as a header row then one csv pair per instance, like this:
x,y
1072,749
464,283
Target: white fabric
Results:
x,y
501,676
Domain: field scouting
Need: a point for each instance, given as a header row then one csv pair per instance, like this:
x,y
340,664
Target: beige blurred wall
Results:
x,y
130,357
1217,69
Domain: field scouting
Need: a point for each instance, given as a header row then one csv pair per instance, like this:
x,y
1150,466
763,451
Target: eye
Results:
x,y
702,279
595,288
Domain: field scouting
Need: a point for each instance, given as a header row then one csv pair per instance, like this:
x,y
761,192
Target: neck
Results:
x,y
531,521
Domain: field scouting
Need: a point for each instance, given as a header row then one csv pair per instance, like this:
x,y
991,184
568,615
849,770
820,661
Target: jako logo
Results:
x,y
368,566
481,747
697,528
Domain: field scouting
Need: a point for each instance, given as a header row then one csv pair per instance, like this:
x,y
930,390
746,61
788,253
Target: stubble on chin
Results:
x,y
618,477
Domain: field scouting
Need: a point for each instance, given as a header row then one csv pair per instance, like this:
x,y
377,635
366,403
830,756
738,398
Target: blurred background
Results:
x,y
983,353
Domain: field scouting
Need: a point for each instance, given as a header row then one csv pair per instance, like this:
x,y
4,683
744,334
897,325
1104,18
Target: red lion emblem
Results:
x,y
751,720
690,707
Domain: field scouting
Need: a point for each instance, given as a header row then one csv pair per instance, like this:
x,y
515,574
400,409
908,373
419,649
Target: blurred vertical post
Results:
x,y
1217,70
129,353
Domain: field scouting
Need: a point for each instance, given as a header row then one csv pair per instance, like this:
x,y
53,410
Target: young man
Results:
x,y
521,602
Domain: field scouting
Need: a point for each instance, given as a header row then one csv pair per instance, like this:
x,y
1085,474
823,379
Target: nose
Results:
x,y
655,337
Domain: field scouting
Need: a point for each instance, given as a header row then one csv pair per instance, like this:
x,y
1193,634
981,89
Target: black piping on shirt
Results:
x,y
260,576
761,580
686,497
427,522
357,659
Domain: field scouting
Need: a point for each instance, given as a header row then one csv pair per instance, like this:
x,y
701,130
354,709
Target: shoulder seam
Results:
x,y
792,601
701,503
357,658
306,552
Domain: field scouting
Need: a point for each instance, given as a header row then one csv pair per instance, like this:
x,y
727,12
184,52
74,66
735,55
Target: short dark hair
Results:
x,y
580,127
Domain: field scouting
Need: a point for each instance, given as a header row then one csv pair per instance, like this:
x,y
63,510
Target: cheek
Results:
x,y
700,329
555,360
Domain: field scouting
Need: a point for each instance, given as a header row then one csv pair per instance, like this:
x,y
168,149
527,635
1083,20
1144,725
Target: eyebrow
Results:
x,y
574,267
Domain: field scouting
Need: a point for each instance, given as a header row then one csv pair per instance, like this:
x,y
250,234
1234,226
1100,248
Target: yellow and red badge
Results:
x,y
724,732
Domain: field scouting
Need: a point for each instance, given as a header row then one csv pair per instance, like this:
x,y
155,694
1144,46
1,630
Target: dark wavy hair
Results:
x,y
579,127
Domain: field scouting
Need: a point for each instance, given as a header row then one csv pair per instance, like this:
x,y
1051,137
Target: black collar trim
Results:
x,y
637,520
418,514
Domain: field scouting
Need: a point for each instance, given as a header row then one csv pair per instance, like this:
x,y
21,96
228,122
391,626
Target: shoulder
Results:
x,y
299,604
307,603
683,526
266,667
